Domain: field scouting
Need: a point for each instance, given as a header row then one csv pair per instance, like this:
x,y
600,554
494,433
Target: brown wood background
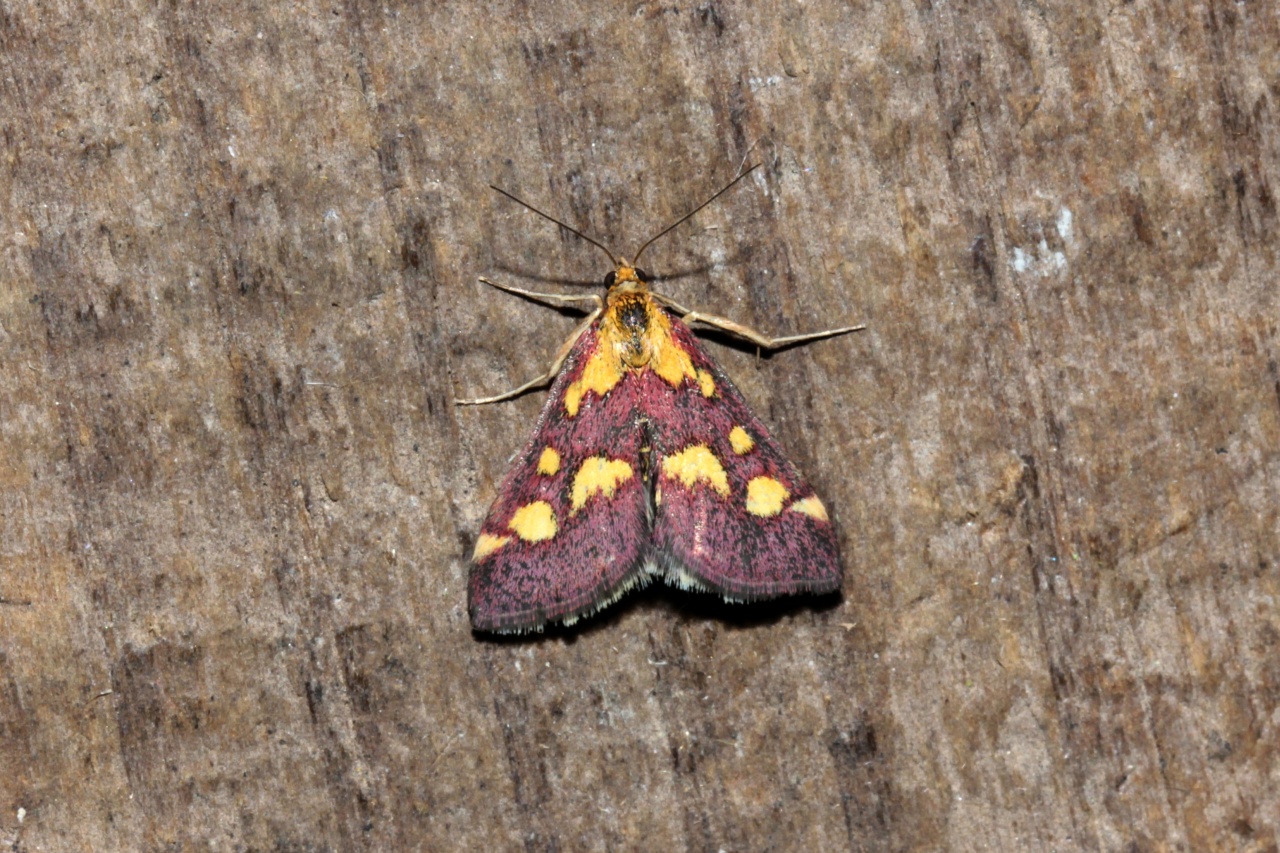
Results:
x,y
239,254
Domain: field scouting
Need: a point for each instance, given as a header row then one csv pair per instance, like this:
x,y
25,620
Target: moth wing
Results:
x,y
568,531
731,513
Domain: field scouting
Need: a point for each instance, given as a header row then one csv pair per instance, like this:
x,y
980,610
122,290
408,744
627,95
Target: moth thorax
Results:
x,y
632,312
631,316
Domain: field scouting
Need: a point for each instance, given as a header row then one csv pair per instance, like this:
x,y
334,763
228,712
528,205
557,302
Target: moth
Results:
x,y
645,462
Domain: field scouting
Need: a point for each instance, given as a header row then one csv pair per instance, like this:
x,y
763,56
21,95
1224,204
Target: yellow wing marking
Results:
x,y
549,462
706,383
811,507
697,463
669,360
534,522
740,441
765,496
487,544
600,374
598,475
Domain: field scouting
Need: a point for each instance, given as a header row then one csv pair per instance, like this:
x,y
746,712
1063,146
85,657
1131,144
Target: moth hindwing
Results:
x,y
645,462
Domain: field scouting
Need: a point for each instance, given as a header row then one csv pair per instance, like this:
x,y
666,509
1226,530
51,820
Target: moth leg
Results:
x,y
555,300
671,303
761,340
556,362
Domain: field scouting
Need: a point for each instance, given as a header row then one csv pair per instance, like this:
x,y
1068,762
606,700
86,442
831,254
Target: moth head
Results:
x,y
627,277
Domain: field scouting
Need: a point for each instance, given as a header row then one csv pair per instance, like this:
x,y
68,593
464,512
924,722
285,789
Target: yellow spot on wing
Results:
x,y
740,441
669,361
697,463
486,545
600,374
598,475
706,383
534,522
812,507
765,496
549,462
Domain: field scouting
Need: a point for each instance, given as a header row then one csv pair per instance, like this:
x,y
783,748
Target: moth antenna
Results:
x,y
689,215
613,259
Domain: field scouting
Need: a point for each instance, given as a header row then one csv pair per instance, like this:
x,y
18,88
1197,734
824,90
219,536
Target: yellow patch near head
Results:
x,y
598,476
549,462
486,545
706,383
811,507
765,496
694,464
600,374
740,441
534,522
669,360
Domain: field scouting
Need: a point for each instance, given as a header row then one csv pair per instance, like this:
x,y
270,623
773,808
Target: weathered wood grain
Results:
x,y
238,258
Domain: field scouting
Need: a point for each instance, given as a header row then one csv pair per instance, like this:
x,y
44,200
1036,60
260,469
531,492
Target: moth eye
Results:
x,y
643,276
609,278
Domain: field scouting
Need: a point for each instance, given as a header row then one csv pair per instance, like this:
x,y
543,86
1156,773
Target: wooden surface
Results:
x,y
238,255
